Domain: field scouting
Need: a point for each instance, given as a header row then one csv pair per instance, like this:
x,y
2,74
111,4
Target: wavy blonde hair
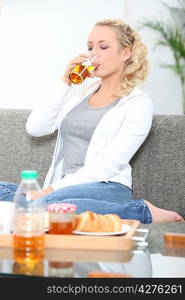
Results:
x,y
135,68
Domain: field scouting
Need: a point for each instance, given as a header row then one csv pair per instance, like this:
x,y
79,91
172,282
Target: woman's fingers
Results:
x,y
81,58
91,74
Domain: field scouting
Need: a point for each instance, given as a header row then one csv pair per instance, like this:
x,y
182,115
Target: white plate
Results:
x,y
125,229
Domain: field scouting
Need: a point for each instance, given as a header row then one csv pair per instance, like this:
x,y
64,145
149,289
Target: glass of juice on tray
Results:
x,y
61,217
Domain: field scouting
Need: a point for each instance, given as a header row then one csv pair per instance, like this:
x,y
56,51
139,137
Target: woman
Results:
x,y
101,124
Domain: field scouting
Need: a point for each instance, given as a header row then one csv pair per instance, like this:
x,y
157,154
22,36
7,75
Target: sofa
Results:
x,y
158,166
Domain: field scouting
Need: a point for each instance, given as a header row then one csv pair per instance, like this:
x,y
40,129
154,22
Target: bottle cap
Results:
x,y
62,207
29,174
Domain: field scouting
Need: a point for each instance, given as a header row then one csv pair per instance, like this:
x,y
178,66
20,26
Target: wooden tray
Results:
x,y
174,240
80,242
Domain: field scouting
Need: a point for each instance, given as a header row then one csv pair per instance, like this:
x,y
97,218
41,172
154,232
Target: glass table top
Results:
x,y
149,258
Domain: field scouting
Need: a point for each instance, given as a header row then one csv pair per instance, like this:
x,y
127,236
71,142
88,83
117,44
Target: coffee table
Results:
x,y
167,260
148,258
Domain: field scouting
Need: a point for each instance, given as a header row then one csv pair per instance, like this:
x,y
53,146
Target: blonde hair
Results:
x,y
136,67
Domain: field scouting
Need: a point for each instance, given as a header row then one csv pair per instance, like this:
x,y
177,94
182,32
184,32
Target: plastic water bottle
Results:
x,y
29,220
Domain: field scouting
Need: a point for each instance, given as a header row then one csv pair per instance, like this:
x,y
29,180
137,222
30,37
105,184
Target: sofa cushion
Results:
x,y
18,150
159,165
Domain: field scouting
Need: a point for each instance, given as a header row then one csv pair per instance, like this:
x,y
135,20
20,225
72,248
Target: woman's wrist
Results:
x,y
48,190
66,80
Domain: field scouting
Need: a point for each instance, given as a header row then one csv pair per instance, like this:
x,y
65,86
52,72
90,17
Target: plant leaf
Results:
x,y
178,70
171,33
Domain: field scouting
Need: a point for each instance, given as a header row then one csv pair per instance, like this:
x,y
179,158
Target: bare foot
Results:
x,y
160,215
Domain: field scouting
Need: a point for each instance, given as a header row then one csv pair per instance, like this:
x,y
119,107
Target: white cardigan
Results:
x,y
117,137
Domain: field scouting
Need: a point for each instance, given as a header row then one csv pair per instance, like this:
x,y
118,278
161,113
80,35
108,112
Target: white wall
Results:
x,y
162,84
38,37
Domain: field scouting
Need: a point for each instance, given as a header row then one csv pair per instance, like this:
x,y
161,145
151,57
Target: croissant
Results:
x,y
92,222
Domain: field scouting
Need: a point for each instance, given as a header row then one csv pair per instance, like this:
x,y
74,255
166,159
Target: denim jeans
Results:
x,y
99,197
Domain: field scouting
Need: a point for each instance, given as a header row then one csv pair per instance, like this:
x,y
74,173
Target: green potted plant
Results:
x,y
171,34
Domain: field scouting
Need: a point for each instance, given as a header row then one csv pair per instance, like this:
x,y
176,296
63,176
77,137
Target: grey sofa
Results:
x,y
158,166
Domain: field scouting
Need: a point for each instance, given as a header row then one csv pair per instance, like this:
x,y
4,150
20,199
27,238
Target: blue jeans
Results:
x,y
99,197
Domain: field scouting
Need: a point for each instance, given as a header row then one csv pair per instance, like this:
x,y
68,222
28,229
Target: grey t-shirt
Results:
x,y
77,129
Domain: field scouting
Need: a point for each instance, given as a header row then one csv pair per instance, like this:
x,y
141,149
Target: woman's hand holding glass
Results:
x,y
79,60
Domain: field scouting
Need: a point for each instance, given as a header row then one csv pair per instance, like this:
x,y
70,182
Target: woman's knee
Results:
x,y
8,185
7,190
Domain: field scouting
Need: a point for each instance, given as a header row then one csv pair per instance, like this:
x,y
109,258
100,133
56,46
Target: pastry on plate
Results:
x,y
91,222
